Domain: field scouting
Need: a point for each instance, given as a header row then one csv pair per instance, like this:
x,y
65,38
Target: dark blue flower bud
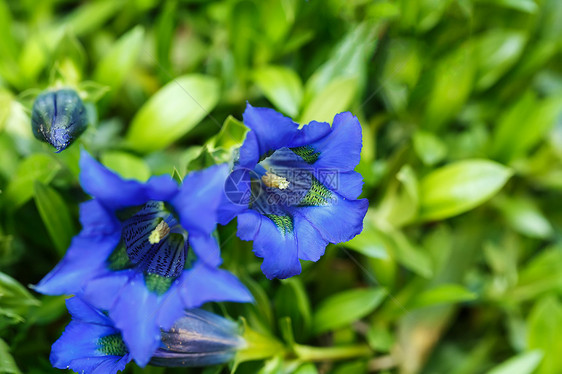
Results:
x,y
199,338
58,117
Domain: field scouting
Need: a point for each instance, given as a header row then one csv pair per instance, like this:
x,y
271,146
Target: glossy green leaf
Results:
x,y
333,99
496,52
544,329
527,6
525,217
7,363
442,294
523,125
523,363
120,59
37,167
55,215
347,60
453,82
126,165
342,309
281,86
429,148
459,187
172,112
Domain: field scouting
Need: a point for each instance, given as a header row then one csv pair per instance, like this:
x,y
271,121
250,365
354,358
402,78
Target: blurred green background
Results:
x,y
459,267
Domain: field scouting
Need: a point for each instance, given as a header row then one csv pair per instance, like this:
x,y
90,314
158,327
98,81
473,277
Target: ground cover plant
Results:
x,y
281,186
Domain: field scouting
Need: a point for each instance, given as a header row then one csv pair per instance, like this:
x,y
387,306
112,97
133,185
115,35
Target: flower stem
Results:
x,y
308,353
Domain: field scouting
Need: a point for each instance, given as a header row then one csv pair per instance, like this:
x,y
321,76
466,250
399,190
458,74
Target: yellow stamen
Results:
x,y
273,180
159,232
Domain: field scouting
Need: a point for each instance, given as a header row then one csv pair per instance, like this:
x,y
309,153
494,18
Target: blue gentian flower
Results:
x,y
294,189
58,117
145,252
90,343
199,338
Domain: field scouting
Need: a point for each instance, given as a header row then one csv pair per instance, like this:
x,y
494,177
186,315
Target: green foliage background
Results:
x,y
459,267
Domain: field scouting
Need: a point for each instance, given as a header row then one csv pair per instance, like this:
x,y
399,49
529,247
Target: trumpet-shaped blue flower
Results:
x,y
294,189
199,338
90,343
145,252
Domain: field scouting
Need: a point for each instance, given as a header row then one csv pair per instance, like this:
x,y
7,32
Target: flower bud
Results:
x,y
199,338
58,117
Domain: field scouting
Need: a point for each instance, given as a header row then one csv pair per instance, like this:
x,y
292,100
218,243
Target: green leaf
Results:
x,y
298,310
342,309
527,6
126,165
525,217
523,125
172,112
333,99
11,291
409,255
523,363
544,330
459,187
55,215
120,59
454,77
497,51
281,86
232,134
37,167
7,363
539,276
91,16
442,294
347,60
429,148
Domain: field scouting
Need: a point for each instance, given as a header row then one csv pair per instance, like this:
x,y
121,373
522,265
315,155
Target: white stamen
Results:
x,y
159,232
273,180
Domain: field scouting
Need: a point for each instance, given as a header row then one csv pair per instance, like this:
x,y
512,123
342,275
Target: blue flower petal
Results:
x,y
341,149
279,251
347,184
84,312
203,284
312,132
199,198
79,341
85,257
96,220
113,366
135,313
249,224
206,248
338,222
115,193
310,242
106,288
270,130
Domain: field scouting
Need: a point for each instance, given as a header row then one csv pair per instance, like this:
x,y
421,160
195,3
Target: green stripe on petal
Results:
x,y
307,153
112,345
157,283
284,223
317,195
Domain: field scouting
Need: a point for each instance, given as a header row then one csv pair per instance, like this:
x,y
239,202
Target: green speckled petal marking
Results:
x,y
308,154
317,195
283,223
119,259
157,283
112,345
